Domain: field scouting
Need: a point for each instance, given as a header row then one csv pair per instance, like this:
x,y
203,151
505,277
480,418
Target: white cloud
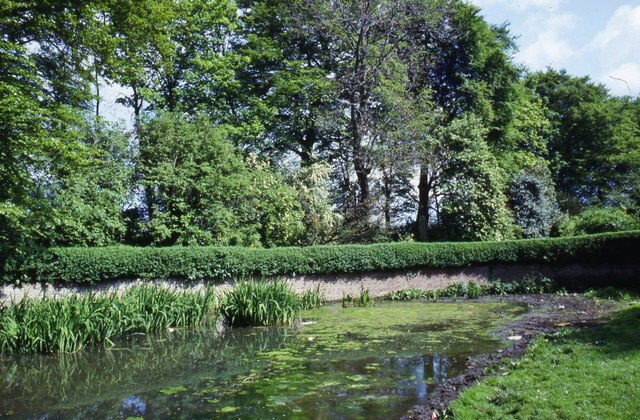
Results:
x,y
620,39
520,5
623,79
616,50
550,47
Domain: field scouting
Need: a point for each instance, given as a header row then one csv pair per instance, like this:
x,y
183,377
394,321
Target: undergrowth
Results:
x,y
472,290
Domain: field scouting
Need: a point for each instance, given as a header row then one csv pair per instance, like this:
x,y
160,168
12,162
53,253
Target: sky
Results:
x,y
595,38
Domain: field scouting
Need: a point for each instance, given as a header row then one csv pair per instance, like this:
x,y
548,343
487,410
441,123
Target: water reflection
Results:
x,y
143,363
338,367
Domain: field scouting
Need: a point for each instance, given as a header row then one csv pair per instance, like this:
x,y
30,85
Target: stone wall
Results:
x,y
336,286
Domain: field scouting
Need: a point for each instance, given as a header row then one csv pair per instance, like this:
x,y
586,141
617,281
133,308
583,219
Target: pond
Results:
x,y
335,363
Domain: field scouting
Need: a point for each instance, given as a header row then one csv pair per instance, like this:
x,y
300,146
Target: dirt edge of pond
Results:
x,y
547,314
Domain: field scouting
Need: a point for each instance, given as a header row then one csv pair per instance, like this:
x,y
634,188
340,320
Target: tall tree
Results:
x,y
594,153
465,67
286,82
204,193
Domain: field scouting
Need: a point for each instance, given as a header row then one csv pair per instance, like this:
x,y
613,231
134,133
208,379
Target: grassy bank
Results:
x,y
585,373
92,265
71,323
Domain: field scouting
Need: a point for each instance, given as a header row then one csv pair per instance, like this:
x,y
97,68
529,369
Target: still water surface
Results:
x,y
337,363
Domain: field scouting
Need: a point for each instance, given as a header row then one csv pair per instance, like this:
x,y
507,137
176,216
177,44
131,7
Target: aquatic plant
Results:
x,y
260,303
312,298
362,300
533,284
69,324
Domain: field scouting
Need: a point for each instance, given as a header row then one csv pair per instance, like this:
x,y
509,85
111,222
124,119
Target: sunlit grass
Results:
x,y
585,373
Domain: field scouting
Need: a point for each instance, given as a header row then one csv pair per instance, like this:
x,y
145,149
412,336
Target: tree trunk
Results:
x,y
423,216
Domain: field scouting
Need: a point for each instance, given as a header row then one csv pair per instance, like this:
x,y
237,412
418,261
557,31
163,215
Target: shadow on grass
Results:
x,y
615,338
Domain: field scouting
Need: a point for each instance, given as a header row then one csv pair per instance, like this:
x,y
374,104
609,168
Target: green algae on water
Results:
x,y
368,362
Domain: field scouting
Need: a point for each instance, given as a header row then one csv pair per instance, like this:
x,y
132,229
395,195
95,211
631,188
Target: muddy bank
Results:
x,y
547,314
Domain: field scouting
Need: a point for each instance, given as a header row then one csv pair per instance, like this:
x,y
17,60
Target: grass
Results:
x,y
585,373
71,323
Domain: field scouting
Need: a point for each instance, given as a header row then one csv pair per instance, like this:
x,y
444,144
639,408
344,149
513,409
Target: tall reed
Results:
x,y
71,323
261,303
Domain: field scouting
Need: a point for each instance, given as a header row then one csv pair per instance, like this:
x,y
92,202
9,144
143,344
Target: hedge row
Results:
x,y
92,265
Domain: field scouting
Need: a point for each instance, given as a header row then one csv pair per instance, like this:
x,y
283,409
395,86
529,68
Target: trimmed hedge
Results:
x,y
92,265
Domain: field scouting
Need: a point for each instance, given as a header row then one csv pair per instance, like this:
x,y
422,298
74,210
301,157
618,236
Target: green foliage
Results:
x,y
472,290
199,190
596,220
428,87
261,303
92,265
612,293
312,298
320,221
594,152
69,324
473,201
534,204
413,294
362,300
530,284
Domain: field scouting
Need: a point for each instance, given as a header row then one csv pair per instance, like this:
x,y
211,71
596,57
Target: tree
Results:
x,y
465,67
286,83
533,201
174,56
204,193
320,221
470,192
594,154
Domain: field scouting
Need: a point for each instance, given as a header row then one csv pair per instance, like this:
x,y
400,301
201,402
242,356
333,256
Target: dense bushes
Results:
x,y
597,220
91,265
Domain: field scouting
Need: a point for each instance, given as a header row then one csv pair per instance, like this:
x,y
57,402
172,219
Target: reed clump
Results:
x,y
254,303
69,324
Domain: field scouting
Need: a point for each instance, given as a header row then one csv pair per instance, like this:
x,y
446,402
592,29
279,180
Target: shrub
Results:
x,y
597,220
92,265
530,284
472,290
407,294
